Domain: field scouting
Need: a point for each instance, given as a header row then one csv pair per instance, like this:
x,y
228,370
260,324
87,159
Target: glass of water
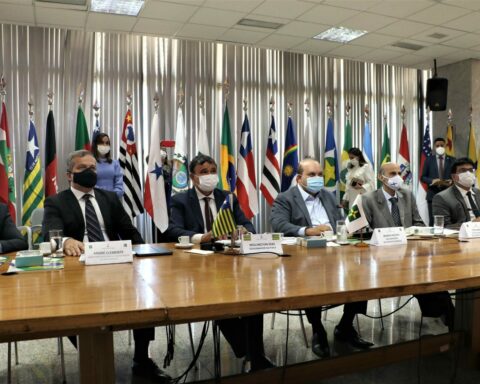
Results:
x,y
342,236
438,223
56,245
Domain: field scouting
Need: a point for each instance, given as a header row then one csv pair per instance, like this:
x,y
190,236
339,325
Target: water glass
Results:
x,y
438,223
342,236
56,245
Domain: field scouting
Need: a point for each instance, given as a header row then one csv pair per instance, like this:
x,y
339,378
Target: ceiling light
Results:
x,y
118,7
406,45
340,34
259,24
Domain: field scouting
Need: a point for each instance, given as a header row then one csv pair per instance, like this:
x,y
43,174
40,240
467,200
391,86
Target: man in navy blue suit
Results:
x,y
192,214
436,173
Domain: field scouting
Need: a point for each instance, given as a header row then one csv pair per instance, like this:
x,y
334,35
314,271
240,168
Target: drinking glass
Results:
x,y
438,223
56,244
342,236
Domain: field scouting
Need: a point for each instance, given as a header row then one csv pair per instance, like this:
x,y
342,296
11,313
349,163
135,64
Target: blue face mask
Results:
x,y
314,184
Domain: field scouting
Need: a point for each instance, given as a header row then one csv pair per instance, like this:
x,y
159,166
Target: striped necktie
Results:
x,y
94,232
395,212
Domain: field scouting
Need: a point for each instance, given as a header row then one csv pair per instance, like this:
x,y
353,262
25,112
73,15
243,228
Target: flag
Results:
x,y
270,185
330,169
32,181
347,144
450,147
385,158
81,135
155,198
356,217
227,160
422,187
51,187
7,181
96,130
472,146
404,156
309,141
129,162
180,172
202,137
246,178
224,223
367,143
290,157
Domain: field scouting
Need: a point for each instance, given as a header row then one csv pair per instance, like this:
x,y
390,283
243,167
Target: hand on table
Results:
x,y
72,247
317,230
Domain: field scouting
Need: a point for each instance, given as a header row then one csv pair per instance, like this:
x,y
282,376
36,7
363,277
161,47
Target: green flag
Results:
x,y
227,159
81,136
385,158
347,144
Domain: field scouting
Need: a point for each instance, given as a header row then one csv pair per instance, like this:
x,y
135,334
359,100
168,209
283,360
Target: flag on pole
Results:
x,y
96,130
32,180
472,149
330,169
180,171
290,157
404,156
270,185
367,143
450,147
356,219
202,137
155,198
129,162
309,141
347,144
385,157
224,223
81,135
227,159
7,181
246,178
51,186
422,187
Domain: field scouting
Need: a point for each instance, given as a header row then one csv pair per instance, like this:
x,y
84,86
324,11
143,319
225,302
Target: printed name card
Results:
x,y
469,230
108,252
266,242
388,236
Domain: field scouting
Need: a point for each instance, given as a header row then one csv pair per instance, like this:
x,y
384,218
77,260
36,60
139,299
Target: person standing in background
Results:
x,y
109,172
359,178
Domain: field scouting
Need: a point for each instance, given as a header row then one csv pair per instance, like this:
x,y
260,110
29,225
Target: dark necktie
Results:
x,y
94,232
395,212
208,214
441,167
473,206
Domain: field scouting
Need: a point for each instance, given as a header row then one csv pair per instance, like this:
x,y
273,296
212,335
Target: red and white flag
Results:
x,y
422,187
155,199
270,185
246,186
404,156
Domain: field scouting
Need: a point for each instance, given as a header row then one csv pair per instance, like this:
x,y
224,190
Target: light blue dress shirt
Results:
x,y
316,210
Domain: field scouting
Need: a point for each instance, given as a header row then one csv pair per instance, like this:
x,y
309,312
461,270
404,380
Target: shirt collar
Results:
x,y
79,194
387,195
305,195
200,195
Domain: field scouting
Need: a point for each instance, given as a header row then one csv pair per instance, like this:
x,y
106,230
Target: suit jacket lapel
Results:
x,y
383,207
297,196
196,209
458,195
401,206
104,210
73,203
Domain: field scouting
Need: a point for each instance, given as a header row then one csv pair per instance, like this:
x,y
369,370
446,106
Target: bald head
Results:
x,y
389,170
309,165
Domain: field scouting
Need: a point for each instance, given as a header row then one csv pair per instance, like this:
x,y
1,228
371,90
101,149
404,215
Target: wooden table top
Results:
x,y
187,287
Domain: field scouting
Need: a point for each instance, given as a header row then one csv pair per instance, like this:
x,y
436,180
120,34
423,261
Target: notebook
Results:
x,y
143,250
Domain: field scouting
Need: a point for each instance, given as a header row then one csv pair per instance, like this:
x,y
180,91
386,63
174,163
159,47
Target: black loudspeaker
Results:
x,y
437,88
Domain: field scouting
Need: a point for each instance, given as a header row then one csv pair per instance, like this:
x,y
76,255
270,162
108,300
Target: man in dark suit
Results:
x,y
436,173
192,214
309,210
460,202
87,214
392,206
10,237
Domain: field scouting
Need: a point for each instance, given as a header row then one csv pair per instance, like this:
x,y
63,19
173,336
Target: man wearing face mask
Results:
x,y
460,202
192,214
436,173
88,214
392,206
309,210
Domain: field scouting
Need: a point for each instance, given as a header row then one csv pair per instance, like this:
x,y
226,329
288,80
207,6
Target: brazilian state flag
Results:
x,y
330,168
290,157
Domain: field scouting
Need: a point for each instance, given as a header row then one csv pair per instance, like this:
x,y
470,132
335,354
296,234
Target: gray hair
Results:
x,y
74,155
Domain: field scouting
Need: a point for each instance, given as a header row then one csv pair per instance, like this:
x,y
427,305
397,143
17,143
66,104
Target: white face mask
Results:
x,y
440,151
395,182
103,149
466,179
207,183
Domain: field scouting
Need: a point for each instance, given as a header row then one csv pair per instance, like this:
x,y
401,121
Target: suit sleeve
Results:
x,y
280,219
440,207
52,218
176,226
126,229
367,210
426,173
240,218
11,238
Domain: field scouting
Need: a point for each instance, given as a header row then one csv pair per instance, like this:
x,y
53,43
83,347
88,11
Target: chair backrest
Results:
x,y
37,216
26,231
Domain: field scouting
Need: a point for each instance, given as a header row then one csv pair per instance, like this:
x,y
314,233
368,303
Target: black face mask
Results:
x,y
86,178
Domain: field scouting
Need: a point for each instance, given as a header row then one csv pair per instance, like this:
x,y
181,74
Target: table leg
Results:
x,y
96,358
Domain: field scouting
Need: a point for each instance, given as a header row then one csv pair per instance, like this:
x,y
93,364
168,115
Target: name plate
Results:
x,y
108,252
266,242
388,236
469,230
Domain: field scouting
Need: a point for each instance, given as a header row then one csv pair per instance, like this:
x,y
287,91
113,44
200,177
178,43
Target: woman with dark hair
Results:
x,y
359,178
109,172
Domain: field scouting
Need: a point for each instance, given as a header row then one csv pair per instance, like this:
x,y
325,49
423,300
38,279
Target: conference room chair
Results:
x,y
36,226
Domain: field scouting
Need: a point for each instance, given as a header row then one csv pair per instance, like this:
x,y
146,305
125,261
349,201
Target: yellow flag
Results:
x,y
450,148
472,149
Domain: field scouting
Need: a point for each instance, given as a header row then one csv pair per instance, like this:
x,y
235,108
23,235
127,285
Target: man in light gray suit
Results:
x,y
392,206
460,202
309,210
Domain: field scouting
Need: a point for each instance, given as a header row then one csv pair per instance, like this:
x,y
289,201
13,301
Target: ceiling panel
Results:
x,y
201,32
167,11
401,8
437,50
17,2
368,22
157,27
468,4
317,46
375,40
468,23
242,36
324,14
438,14
217,17
240,6
349,51
281,41
432,35
467,40
353,4
104,22
379,55
404,28
53,16
285,9
12,13
300,28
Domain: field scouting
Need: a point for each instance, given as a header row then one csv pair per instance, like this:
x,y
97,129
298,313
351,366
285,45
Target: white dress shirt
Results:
x,y
213,207
467,202
316,210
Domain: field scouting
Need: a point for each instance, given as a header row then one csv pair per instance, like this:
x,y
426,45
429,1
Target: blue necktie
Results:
x,y
94,232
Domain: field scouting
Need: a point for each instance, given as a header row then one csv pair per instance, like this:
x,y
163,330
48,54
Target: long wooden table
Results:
x,y
93,301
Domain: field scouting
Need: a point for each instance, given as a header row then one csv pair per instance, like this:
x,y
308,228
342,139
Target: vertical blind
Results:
x,y
108,66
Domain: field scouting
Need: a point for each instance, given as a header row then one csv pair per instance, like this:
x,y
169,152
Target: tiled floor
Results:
x,y
40,363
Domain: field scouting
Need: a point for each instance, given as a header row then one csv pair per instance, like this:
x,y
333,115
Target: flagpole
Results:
x,y
3,89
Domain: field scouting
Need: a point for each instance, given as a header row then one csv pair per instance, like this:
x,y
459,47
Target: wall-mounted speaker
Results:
x,y
437,89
